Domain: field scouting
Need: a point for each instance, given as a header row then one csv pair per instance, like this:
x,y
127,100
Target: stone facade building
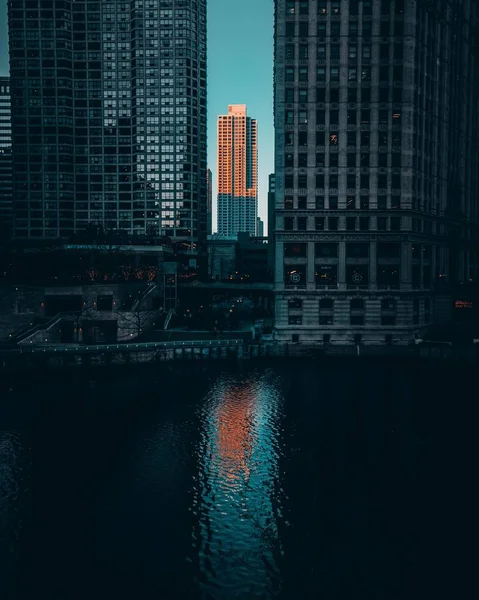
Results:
x,y
377,147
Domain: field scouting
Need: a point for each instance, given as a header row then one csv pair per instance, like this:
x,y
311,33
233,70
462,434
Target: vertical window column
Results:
x,y
279,263
406,265
342,265
310,274
372,265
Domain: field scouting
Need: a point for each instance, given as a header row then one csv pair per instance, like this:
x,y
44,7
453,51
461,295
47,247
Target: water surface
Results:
x,y
275,480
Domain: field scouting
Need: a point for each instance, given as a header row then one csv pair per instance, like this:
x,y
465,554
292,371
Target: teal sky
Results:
x,y
240,71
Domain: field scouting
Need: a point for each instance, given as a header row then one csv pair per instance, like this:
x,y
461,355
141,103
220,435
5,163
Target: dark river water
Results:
x,y
290,479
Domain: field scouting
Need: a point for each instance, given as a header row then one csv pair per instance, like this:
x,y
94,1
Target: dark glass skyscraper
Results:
x,y
377,147
109,117
5,157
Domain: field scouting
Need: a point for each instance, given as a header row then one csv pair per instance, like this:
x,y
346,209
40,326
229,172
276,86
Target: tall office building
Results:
x,y
259,227
237,172
109,117
209,202
5,158
377,185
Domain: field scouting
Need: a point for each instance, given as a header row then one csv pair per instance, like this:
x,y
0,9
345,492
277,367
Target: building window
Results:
x,y
295,304
333,223
388,276
302,223
290,30
335,29
427,310
382,223
289,75
321,52
295,319
326,311
302,202
367,7
290,7
289,95
303,96
334,94
333,202
303,7
321,74
288,223
290,51
357,250
350,223
388,312
326,275
415,311
302,181
303,30
303,74
388,250
334,74
295,250
357,275
295,275
319,223
364,202
395,223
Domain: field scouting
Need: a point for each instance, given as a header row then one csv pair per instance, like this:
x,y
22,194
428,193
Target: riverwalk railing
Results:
x,y
106,354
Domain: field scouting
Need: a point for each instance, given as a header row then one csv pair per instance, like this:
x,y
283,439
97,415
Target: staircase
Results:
x,y
168,319
36,333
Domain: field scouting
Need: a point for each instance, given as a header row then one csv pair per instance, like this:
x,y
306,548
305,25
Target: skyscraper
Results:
x,y
209,203
259,227
377,147
5,157
109,117
237,172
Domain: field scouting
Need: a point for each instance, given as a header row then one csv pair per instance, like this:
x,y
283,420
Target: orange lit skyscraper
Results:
x,y
237,172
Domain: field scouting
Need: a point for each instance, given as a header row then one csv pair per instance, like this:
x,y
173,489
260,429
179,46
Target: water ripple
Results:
x,y
238,458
